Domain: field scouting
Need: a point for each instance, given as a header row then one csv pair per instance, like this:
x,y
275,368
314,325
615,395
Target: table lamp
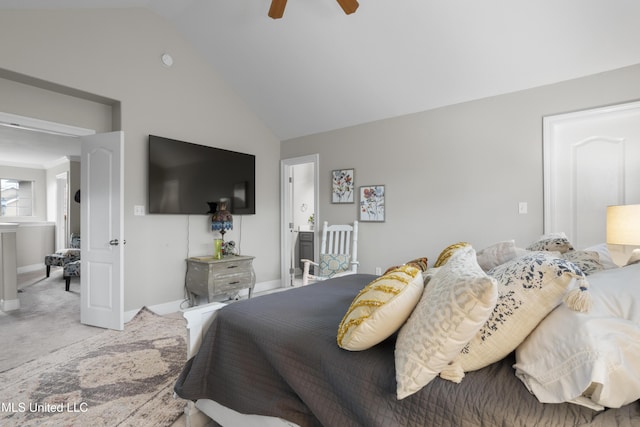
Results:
x,y
221,221
623,230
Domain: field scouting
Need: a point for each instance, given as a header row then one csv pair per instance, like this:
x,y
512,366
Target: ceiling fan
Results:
x,y
277,7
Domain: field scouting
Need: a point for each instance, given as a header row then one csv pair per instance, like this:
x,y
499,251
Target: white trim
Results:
x,y
30,268
9,305
29,123
285,200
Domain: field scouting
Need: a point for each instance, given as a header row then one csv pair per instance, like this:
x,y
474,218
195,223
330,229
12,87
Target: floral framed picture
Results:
x,y
372,203
342,189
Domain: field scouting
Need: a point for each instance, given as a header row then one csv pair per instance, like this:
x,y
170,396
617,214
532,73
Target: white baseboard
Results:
x,y
30,268
9,304
175,306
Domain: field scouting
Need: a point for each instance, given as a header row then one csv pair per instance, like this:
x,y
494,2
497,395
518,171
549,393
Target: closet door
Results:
x,y
591,161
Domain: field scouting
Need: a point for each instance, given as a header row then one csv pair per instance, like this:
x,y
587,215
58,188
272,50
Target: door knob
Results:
x,y
114,242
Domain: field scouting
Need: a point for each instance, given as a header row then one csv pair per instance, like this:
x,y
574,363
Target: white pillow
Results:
x,y
529,287
380,308
588,358
603,254
587,261
457,301
496,254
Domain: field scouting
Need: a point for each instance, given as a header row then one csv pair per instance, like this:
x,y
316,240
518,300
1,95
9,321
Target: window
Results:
x,y
16,197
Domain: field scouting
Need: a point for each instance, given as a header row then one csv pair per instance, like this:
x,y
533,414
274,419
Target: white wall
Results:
x,y
115,54
455,173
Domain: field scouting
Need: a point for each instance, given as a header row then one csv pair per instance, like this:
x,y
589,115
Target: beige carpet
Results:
x,y
48,319
115,378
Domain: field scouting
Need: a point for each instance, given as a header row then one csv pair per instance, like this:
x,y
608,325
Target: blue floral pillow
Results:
x,y
331,264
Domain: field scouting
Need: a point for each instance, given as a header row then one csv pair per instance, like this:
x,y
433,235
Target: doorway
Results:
x,y
299,211
106,162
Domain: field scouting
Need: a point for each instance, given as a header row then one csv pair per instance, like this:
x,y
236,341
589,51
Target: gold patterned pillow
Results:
x,y
380,308
420,263
448,252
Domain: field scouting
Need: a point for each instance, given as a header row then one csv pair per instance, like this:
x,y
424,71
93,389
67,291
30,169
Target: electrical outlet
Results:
x,y
522,208
138,210
378,271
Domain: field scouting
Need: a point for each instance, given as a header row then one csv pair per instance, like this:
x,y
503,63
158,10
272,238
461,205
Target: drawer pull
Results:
x,y
234,283
233,266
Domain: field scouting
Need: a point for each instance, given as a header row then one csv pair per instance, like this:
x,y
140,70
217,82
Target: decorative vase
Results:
x,y
217,248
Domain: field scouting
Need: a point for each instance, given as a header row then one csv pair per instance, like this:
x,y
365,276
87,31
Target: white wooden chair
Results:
x,y
338,253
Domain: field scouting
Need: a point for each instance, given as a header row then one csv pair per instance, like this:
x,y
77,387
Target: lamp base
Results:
x,y
622,255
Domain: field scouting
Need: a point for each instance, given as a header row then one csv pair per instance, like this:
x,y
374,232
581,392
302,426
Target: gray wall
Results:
x,y
33,242
455,173
115,55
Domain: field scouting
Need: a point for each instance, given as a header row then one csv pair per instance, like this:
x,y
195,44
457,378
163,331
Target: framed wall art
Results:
x,y
372,207
342,189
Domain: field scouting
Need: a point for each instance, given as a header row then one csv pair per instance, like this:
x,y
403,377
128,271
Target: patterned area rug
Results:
x,y
116,378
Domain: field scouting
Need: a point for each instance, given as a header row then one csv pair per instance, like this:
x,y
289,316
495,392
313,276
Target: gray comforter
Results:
x,y
277,355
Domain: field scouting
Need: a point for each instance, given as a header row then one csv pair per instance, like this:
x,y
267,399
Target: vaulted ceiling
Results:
x,y
318,69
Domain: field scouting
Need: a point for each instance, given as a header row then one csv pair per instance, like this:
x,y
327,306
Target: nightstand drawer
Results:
x,y
219,278
231,282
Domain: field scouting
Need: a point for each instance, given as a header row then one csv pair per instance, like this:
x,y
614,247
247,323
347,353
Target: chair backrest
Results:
x,y
341,239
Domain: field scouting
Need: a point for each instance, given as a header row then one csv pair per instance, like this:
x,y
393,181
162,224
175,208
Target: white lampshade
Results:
x,y
623,225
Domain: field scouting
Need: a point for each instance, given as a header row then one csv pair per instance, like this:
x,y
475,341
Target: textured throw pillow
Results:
x,y
529,288
331,264
448,252
380,308
496,254
420,263
603,255
587,261
456,303
552,244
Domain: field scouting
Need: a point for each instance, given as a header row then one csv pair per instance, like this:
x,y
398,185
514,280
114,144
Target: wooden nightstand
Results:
x,y
218,278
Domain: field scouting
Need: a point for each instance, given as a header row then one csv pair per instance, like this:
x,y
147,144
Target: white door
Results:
x,y
62,217
591,161
102,229
289,234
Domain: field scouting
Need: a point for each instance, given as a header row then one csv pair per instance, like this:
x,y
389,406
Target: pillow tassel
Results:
x,y
453,372
579,298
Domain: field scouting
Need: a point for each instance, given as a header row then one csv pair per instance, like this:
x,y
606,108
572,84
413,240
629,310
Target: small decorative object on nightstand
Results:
x,y
221,221
219,278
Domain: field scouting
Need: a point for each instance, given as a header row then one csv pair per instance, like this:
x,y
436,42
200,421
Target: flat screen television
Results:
x,y
184,178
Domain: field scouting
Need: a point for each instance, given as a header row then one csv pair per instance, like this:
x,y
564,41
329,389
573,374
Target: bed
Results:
x,y
275,357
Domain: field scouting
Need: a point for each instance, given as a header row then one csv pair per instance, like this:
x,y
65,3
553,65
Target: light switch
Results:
x,y
522,208
138,210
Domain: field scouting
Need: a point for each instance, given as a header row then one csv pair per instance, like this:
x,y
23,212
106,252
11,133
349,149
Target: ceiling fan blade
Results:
x,y
276,11
349,6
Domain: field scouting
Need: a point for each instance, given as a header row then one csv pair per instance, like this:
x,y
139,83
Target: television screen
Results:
x,y
185,178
